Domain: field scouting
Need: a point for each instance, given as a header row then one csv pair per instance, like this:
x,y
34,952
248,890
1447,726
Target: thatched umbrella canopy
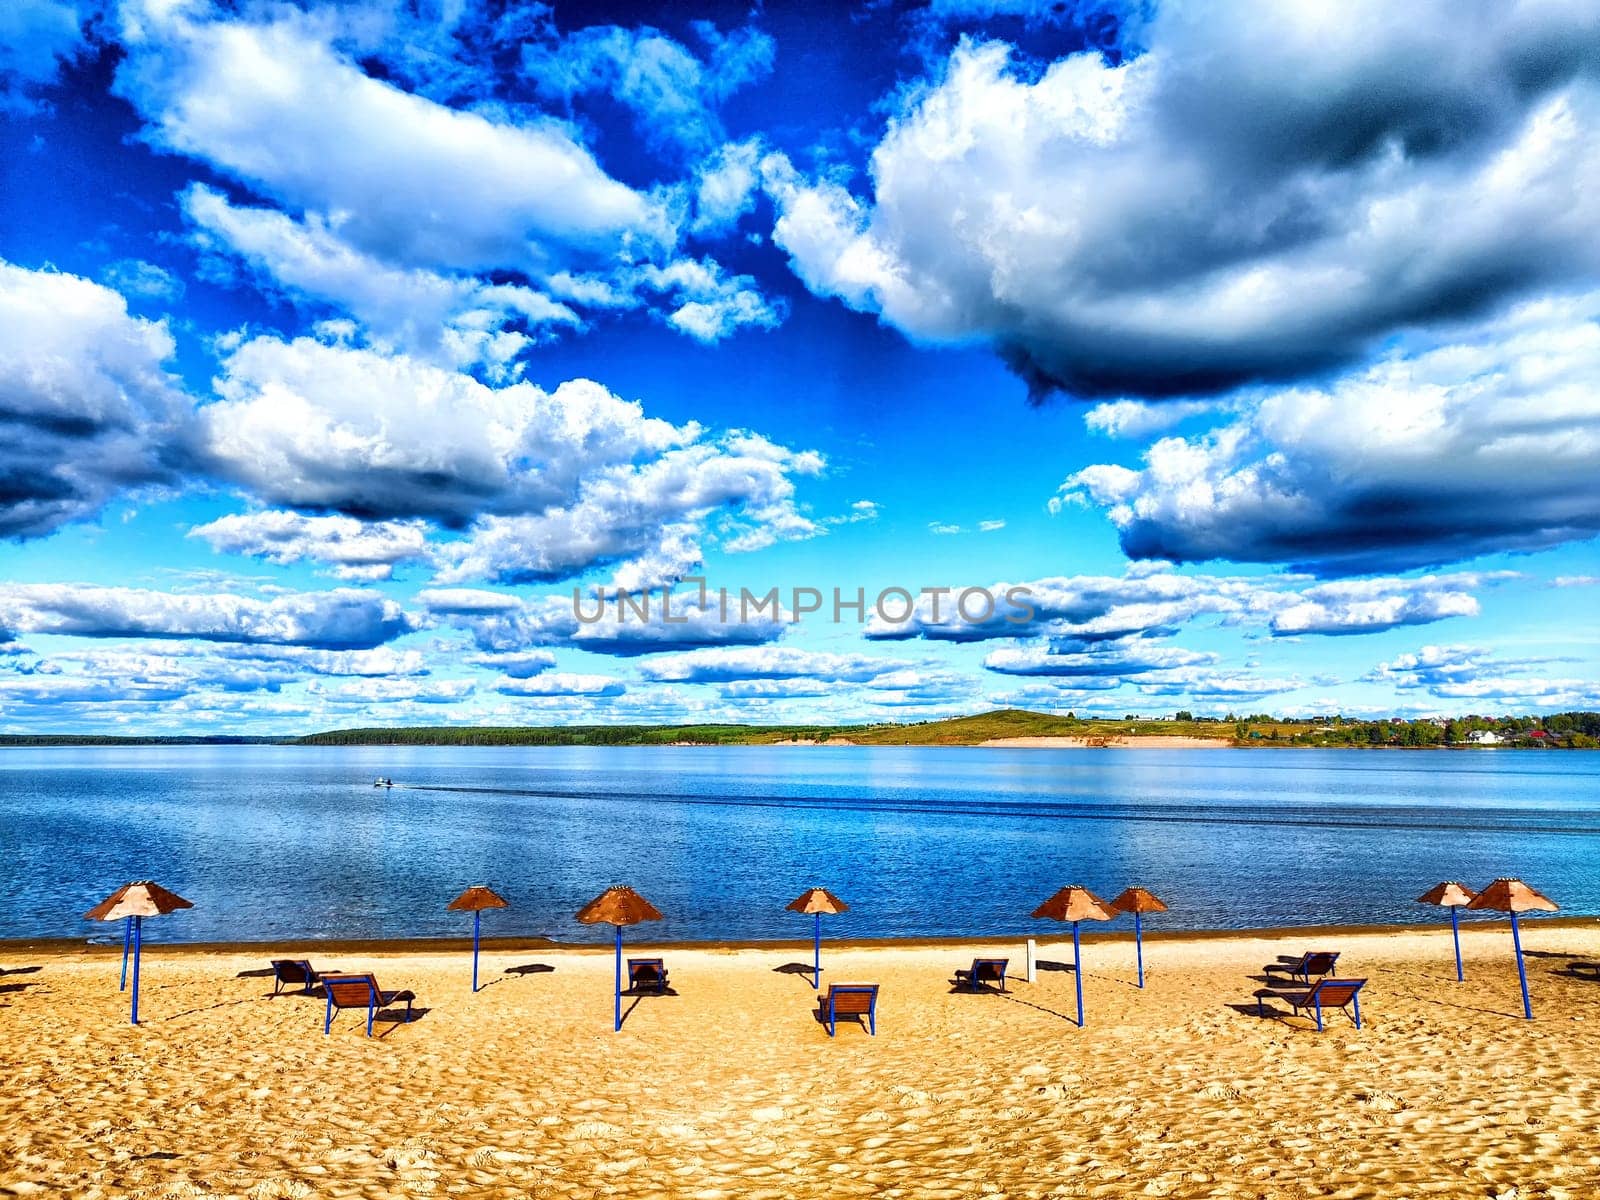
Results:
x,y
618,906
144,898
814,902
132,903
1138,901
1448,894
1454,896
1074,903
1513,896
474,900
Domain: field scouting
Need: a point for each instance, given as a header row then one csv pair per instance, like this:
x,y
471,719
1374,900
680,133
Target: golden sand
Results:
x,y
1153,741
731,1088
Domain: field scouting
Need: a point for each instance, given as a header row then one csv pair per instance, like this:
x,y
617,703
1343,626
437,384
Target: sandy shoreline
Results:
x,y
731,1088
1142,742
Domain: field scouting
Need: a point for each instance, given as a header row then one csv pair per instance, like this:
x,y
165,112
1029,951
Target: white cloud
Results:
x,y
87,408
310,425
500,624
353,549
725,187
1141,418
1086,609
36,38
546,485
765,662
400,177
452,319
142,280
1488,442
673,92
341,619
1114,660
1263,192
560,683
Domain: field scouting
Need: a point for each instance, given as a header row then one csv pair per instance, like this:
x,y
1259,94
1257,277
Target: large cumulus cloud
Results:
x,y
1264,192
1488,443
87,409
546,485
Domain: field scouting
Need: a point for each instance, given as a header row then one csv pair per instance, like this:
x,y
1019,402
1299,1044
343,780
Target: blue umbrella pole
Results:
x,y
1077,972
477,920
1138,946
138,936
1516,942
127,944
1455,932
618,1024
817,953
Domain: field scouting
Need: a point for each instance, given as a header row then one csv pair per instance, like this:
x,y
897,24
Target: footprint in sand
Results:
x,y
280,1189
1381,1101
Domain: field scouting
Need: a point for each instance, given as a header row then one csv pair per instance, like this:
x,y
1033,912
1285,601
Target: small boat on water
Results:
x,y
383,781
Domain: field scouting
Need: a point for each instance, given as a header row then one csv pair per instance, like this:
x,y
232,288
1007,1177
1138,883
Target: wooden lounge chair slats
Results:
x,y
1343,994
858,1000
983,973
647,974
360,991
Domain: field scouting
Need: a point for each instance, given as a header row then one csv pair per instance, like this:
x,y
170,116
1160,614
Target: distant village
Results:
x,y
1561,731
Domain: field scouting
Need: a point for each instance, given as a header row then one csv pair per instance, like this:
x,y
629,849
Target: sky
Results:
x,y
355,358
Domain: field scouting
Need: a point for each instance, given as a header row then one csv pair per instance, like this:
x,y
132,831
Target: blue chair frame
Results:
x,y
982,973
638,966
281,967
375,997
830,1005
1349,989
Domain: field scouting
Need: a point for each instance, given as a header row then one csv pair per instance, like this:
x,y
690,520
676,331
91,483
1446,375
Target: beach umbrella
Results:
x,y
1138,901
474,900
1074,903
618,906
1513,896
132,903
1454,896
817,901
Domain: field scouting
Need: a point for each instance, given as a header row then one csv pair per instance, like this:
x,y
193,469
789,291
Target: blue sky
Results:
x,y
339,344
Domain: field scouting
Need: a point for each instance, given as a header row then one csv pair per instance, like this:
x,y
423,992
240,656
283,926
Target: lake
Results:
x,y
295,842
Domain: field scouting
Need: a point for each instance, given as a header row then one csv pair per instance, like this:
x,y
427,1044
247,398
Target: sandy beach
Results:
x,y
1161,741
731,1088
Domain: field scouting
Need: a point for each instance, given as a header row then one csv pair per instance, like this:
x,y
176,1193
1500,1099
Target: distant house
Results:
x,y
1484,737
1538,733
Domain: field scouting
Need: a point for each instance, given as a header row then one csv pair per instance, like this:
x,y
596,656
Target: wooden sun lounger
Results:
x,y
1343,994
286,972
982,973
856,1000
360,991
1313,963
647,974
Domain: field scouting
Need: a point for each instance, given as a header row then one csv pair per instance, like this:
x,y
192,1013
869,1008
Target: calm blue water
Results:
x,y
281,842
